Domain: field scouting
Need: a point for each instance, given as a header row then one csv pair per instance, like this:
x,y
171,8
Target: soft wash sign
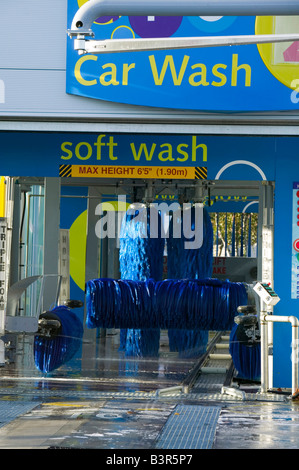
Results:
x,y
235,78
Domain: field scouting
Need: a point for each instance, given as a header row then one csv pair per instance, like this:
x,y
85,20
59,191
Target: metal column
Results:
x,y
15,236
265,273
51,240
91,272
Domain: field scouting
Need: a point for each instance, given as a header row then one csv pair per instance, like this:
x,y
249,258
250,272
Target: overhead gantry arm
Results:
x,y
82,22
93,9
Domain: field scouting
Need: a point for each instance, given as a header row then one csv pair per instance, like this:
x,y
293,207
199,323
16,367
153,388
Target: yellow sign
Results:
x,y
111,171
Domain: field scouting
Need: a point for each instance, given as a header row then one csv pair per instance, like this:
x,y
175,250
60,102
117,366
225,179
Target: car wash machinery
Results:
x,y
80,30
14,323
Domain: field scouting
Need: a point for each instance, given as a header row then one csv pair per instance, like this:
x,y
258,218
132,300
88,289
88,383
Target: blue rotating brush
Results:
x,y
58,339
184,263
141,258
207,304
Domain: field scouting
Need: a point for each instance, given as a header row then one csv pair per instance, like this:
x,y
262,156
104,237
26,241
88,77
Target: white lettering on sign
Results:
x,y
267,254
3,287
64,265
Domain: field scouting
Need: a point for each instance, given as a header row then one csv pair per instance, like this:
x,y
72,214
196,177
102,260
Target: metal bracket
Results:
x,y
90,11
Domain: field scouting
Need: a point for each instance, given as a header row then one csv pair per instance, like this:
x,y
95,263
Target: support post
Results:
x,y
91,272
265,267
264,354
51,240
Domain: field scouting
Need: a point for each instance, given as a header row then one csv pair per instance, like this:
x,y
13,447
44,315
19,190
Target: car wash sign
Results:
x,y
254,77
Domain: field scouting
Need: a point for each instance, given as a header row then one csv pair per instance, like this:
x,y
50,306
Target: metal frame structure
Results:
x,y
87,14
145,191
81,29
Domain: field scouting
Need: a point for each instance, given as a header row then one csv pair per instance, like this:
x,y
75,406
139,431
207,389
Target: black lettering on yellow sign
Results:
x,y
201,172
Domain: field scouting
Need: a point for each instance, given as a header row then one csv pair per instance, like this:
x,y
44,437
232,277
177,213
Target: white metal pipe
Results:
x,y
295,324
93,9
149,44
264,355
283,319
270,356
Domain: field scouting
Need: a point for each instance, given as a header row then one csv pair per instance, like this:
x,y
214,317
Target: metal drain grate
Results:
x,y
10,410
190,427
211,395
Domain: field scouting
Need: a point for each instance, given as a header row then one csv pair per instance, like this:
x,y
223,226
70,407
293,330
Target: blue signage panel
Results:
x,y
230,78
295,242
140,155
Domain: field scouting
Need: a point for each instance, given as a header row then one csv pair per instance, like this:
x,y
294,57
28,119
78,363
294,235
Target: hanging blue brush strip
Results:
x,y
207,304
141,258
54,351
140,254
246,358
185,263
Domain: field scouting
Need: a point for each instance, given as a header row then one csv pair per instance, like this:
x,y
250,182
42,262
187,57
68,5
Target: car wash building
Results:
x,y
90,125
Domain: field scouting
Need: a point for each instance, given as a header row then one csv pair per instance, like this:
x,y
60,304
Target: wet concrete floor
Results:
x,y
116,405
129,423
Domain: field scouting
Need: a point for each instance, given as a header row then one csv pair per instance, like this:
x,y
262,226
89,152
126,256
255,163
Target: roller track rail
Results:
x,y
213,367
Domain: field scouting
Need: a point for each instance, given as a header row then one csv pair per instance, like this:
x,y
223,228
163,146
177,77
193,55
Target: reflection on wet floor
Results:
x,y
119,425
101,366
139,424
258,426
104,400
69,411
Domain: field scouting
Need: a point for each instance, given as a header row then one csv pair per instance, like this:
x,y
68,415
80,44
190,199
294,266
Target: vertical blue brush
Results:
x,y
184,263
141,258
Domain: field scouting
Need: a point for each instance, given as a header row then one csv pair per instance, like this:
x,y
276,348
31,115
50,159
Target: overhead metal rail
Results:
x,y
93,9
